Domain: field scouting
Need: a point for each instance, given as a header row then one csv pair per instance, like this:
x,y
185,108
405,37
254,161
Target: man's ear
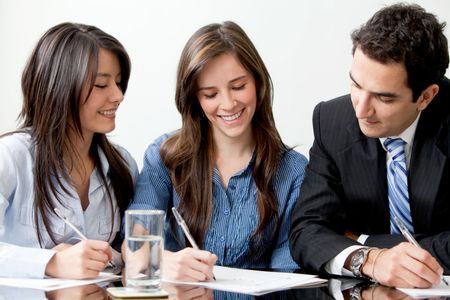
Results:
x,y
427,96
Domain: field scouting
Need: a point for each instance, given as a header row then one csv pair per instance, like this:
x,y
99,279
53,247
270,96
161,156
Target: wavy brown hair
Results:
x,y
189,154
63,62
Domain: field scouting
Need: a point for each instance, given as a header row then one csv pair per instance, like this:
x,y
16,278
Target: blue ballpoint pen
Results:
x,y
77,231
408,236
185,229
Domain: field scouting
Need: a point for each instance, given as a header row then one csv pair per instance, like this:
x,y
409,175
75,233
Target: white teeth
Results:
x,y
232,117
108,113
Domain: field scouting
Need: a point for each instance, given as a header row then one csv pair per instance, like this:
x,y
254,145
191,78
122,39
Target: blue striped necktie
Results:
x,y
397,176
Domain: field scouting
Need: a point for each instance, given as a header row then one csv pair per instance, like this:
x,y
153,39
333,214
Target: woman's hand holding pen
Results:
x,y
404,265
189,265
80,261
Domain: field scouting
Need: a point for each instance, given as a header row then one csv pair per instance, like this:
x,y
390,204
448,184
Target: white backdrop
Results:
x,y
305,45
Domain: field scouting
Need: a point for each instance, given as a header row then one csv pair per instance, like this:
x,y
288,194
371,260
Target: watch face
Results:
x,y
356,262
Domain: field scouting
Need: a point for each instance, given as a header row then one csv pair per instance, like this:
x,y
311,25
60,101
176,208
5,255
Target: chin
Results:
x,y
372,133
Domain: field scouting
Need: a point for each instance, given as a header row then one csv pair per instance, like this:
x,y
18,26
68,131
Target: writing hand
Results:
x,y
404,265
189,265
80,261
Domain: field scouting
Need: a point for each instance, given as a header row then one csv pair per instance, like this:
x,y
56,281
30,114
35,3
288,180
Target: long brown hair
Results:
x,y
63,62
189,154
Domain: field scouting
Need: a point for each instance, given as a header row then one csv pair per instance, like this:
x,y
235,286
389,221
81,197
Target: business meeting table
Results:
x,y
346,289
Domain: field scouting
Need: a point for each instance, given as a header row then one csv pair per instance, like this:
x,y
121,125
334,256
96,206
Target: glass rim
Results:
x,y
144,212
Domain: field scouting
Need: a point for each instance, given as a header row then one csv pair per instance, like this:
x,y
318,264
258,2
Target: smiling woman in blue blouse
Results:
x,y
227,169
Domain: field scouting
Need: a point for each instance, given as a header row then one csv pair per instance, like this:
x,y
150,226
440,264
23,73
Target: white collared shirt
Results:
x,y
336,264
20,252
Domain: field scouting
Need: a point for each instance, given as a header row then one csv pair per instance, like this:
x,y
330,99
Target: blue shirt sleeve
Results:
x,y
291,170
153,187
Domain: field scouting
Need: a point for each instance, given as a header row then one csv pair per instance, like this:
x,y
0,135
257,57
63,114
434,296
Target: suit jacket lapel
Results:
x,y
366,165
425,173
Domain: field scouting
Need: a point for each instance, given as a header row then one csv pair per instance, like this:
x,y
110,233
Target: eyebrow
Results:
x,y
106,75
382,94
231,81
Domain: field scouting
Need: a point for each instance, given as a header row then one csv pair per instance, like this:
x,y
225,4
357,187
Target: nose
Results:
x,y
116,94
362,104
227,101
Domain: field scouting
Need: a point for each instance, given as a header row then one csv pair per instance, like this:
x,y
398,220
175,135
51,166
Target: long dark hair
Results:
x,y
63,62
189,154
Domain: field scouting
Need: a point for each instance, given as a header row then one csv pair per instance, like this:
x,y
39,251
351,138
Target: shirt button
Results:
x,y
222,239
226,212
232,187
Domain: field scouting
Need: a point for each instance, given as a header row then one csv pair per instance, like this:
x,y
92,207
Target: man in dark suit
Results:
x,y
379,153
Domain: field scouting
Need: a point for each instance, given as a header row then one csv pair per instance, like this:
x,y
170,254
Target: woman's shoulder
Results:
x,y
293,160
129,160
155,145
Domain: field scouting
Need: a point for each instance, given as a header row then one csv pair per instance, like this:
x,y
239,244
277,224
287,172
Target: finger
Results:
x,y
200,267
97,255
418,274
212,260
425,257
99,245
424,265
197,292
200,254
95,265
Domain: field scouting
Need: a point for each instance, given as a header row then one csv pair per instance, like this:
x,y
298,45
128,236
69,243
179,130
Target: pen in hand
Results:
x,y
185,229
77,231
408,236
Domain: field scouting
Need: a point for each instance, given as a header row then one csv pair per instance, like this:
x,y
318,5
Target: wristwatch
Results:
x,y
357,260
355,293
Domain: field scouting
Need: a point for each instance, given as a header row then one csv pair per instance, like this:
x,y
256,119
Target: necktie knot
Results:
x,y
396,148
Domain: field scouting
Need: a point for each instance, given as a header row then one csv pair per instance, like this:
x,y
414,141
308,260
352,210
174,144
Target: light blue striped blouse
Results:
x,y
235,212
21,254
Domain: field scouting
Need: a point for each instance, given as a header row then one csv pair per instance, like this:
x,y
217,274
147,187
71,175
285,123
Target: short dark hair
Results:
x,y
406,33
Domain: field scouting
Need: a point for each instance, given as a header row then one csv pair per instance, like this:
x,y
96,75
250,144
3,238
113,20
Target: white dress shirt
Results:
x,y
20,252
336,264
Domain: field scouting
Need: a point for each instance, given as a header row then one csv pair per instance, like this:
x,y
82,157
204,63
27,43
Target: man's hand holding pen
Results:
x,y
404,265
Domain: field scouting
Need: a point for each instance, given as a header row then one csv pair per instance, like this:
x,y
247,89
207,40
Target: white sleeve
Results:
x,y
23,262
336,264
8,182
16,261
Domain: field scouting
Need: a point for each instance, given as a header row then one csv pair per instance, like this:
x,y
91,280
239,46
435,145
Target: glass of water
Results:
x,y
144,241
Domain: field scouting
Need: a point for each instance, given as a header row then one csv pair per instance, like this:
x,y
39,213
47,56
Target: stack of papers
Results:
x,y
435,291
254,282
50,284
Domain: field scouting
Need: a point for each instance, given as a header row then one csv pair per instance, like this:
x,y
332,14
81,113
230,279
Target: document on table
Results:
x,y
438,290
50,284
254,282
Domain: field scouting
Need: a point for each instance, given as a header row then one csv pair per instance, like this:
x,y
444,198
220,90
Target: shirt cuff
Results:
x,y
336,264
362,239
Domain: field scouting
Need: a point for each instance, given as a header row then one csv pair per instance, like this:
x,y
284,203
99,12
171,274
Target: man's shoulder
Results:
x,y
337,105
335,114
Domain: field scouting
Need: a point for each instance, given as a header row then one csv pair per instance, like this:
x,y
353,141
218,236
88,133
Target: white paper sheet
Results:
x,y
438,290
254,282
50,284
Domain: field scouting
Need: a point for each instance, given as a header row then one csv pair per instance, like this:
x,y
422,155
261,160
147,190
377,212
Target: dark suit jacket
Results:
x,y
345,186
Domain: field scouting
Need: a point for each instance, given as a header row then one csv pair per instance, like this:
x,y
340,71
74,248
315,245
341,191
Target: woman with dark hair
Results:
x,y
61,158
226,170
